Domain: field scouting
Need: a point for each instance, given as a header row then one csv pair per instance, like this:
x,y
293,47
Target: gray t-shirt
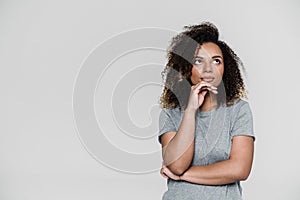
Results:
x,y
213,140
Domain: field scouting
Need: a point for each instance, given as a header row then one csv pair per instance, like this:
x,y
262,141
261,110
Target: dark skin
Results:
x,y
178,147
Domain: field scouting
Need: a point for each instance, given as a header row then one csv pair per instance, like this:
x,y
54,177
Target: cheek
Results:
x,y
195,72
195,75
220,71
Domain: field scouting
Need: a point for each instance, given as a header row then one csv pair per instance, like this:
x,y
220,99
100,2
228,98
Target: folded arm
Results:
x,y
178,148
236,168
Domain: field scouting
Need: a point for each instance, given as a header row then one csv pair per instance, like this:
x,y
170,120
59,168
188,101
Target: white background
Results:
x,y
42,45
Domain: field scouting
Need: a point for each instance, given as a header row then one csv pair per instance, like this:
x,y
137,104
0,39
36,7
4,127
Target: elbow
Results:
x,y
240,170
245,175
177,170
242,175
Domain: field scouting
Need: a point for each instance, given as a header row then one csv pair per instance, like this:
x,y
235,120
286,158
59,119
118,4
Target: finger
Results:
x,y
213,87
170,174
208,89
196,85
166,172
203,82
208,85
212,90
162,173
202,94
204,85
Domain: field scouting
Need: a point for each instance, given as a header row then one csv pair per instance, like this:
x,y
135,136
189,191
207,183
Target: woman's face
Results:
x,y
208,64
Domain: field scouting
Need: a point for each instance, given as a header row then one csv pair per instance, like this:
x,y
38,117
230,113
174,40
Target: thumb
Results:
x,y
203,93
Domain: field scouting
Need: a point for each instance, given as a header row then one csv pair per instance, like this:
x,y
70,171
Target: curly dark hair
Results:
x,y
178,70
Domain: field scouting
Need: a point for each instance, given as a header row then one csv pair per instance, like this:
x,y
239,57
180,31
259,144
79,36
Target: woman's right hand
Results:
x,y
198,93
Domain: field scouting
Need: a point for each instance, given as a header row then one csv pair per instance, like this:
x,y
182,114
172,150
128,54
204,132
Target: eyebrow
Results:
x,y
217,56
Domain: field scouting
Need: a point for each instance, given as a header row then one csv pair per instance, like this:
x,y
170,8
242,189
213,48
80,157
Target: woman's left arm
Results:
x,y
236,168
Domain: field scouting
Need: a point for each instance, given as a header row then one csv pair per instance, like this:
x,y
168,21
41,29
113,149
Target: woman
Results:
x,y
205,127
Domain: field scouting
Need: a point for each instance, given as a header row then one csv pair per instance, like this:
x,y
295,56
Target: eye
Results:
x,y
217,61
197,62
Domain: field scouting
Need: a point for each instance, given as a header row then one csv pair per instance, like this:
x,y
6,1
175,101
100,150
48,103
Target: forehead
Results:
x,y
208,49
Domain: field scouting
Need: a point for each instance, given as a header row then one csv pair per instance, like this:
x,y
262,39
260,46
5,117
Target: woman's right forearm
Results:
x,y
179,152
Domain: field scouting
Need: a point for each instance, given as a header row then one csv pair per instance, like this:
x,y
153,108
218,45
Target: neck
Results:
x,y
209,103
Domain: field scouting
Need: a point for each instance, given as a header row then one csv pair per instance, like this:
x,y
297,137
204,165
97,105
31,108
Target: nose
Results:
x,y
207,68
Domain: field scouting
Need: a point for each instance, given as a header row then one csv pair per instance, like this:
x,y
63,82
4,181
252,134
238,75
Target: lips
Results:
x,y
207,78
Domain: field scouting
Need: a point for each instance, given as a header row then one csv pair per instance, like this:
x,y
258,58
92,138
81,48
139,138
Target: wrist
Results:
x,y
181,177
190,110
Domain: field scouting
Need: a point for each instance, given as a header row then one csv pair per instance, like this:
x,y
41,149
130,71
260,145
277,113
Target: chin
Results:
x,y
217,83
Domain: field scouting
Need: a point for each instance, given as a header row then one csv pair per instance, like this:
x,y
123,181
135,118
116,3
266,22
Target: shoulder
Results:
x,y
241,110
242,119
238,104
171,111
238,108
171,114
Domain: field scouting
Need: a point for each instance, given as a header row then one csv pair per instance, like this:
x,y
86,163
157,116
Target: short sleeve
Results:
x,y
243,123
166,123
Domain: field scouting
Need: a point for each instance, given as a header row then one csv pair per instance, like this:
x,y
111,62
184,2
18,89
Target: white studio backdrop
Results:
x,y
44,49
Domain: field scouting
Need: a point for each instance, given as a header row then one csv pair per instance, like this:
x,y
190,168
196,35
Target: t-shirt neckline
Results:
x,y
206,113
